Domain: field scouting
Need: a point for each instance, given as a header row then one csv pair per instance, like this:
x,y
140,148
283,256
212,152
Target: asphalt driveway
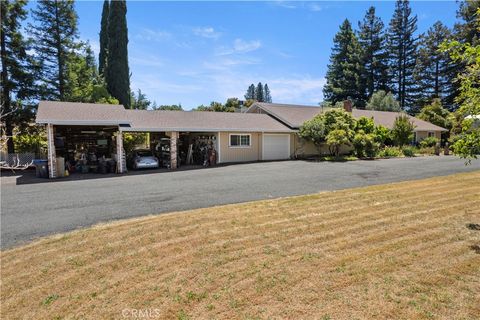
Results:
x,y
31,210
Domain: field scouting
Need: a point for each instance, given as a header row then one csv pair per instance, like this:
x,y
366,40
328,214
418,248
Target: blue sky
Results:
x,y
197,52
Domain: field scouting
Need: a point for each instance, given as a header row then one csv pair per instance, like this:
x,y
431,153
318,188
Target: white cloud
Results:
x,y
153,35
285,4
240,46
313,6
206,32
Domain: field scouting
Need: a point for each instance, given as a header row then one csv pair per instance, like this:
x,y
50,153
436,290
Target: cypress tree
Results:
x,y
55,40
103,54
344,71
17,72
434,71
371,37
250,94
266,91
259,95
403,48
117,73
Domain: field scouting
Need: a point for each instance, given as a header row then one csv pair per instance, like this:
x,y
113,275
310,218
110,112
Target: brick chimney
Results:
x,y
347,105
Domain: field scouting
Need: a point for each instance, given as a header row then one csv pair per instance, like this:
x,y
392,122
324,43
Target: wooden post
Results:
x,y
52,154
121,161
173,149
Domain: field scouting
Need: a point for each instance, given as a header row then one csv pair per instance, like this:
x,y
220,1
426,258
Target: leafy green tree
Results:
x,y
259,94
82,74
103,54
374,59
267,95
402,46
319,127
434,71
367,125
117,73
345,70
139,101
467,142
55,38
17,69
435,113
231,105
383,101
250,95
402,131
173,107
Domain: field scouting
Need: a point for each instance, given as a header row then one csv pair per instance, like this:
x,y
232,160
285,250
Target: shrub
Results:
x,y
383,135
390,152
426,150
408,151
429,142
402,132
335,139
365,145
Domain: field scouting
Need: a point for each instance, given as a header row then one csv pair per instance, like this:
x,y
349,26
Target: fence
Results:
x,y
17,158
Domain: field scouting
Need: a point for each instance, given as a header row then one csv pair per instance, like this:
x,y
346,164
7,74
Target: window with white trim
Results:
x,y
240,140
431,134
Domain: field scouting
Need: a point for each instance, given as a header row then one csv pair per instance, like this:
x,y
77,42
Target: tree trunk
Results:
x,y
60,58
6,101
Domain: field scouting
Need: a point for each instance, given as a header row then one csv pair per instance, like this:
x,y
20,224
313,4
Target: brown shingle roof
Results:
x,y
71,113
202,121
295,115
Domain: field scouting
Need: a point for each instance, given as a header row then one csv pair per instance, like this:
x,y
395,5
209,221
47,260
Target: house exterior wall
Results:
x,y
420,135
240,154
244,154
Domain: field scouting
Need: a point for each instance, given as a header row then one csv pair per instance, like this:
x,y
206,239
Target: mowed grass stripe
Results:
x,y
307,256
127,228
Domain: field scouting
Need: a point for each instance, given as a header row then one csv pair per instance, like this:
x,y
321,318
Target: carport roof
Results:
x,y
201,121
75,113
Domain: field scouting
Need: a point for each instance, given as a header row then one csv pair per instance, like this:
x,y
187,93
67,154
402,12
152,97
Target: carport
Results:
x,y
90,132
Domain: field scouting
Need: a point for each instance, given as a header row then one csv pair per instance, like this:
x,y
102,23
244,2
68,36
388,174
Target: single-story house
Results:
x,y
293,116
265,131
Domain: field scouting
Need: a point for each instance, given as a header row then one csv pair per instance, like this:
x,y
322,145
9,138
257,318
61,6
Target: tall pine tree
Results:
x,y
117,73
344,70
259,94
434,70
266,92
371,37
402,47
103,54
250,94
17,71
55,42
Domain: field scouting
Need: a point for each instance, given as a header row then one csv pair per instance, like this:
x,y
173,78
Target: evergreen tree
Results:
x,y
402,47
117,73
344,70
371,37
434,70
103,55
383,101
55,42
267,95
250,95
467,31
259,95
16,78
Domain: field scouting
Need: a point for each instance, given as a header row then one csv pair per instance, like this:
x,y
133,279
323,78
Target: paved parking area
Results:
x,y
30,209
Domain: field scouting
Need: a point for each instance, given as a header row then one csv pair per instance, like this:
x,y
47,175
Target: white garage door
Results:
x,y
276,146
